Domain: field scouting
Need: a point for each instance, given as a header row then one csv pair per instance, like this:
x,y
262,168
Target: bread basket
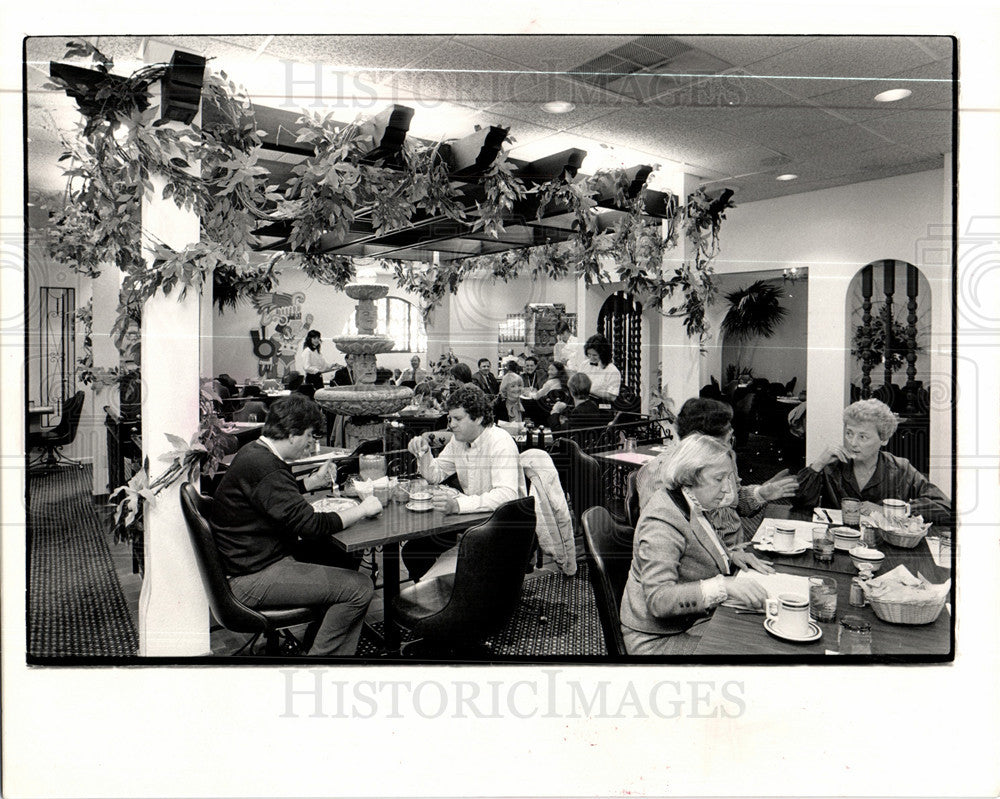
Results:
x,y
908,612
901,537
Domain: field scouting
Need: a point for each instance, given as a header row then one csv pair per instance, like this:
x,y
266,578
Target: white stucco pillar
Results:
x,y
679,356
105,354
173,607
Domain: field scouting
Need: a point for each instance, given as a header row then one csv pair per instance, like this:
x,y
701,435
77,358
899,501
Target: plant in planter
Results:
x,y
754,312
869,343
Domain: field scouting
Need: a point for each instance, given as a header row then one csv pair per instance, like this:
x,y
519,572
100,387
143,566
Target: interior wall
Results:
x,y
834,233
782,356
481,304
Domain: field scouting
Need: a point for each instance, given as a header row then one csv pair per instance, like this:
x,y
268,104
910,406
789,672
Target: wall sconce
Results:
x,y
793,273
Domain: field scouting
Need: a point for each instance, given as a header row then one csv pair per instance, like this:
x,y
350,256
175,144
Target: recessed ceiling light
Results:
x,y
789,176
892,95
558,106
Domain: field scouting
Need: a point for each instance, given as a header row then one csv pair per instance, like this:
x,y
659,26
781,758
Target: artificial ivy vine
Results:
x,y
122,144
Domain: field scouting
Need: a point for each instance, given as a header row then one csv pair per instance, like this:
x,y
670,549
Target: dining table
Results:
x,y
736,632
386,532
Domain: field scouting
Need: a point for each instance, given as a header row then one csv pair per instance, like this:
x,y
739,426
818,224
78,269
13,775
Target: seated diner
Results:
x,y
681,568
275,548
858,468
485,460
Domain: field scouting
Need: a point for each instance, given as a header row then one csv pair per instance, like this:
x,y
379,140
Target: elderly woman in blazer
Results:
x,y
681,569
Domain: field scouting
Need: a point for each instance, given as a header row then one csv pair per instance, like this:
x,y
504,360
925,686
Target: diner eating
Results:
x,y
382,349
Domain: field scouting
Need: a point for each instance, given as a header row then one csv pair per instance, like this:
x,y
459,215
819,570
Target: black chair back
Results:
x,y
227,609
628,400
632,498
583,481
484,592
65,431
609,558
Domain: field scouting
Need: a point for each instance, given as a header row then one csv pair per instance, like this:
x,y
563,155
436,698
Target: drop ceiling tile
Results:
x,y
743,50
838,57
848,137
750,161
911,125
546,53
777,125
368,52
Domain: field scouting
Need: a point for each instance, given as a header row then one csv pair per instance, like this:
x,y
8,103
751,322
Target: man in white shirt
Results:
x,y
414,374
567,349
484,458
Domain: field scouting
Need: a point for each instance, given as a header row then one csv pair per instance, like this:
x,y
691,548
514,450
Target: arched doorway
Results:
x,y
620,322
889,327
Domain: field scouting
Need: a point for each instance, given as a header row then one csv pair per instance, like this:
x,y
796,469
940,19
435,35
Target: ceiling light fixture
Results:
x,y
788,176
558,106
892,95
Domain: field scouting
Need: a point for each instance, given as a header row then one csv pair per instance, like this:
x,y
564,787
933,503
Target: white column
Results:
x,y
105,308
206,340
679,355
438,326
173,607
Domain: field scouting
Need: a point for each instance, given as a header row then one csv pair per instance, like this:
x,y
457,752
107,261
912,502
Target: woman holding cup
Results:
x,y
681,569
858,468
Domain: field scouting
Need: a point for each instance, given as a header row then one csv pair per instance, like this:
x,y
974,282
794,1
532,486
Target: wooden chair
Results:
x,y
232,614
457,612
609,558
582,477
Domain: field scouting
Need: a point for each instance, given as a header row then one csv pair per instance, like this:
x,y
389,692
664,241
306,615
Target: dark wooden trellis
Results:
x,y
620,322
910,401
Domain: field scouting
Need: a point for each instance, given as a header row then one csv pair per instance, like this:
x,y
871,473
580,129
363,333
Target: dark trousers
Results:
x,y
316,574
420,553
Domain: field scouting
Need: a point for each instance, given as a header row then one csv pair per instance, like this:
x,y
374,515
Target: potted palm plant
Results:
x,y
755,312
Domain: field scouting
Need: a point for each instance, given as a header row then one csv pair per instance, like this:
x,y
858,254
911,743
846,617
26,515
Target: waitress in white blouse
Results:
x,y
309,361
605,379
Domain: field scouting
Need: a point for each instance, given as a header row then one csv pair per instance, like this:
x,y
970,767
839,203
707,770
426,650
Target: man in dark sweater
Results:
x,y
275,548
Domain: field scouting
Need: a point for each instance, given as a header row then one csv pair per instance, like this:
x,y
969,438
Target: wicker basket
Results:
x,y
901,538
908,612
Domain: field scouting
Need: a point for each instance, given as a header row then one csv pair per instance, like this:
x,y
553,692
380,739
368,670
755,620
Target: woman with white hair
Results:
x,y
508,406
681,569
858,468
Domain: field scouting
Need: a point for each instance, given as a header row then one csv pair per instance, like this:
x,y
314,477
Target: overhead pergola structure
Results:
x,y
468,160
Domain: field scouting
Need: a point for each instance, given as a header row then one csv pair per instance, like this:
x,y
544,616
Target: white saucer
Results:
x,y
772,549
409,506
815,633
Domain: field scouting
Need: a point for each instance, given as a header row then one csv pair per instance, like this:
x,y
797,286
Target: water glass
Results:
x,y
822,540
823,598
850,509
944,551
868,535
371,467
252,418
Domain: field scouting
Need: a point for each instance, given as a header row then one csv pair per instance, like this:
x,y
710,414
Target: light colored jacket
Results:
x,y
671,555
553,523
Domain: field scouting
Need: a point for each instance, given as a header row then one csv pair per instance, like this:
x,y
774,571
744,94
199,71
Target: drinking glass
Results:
x,y
252,418
371,467
823,598
868,536
822,544
850,509
855,636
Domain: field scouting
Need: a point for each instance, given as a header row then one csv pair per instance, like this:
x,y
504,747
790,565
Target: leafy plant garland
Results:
x,y
122,144
869,342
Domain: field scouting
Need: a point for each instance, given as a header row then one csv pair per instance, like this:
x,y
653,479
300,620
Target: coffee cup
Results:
x,y
790,614
784,537
895,508
421,500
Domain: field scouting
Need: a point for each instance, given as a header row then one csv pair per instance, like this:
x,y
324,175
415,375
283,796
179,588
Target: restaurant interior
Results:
x,y
761,221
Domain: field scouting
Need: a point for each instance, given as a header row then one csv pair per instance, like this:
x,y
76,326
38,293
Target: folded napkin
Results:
x,y
774,584
900,586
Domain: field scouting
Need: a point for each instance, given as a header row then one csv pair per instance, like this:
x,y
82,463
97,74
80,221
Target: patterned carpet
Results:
x,y
75,603
557,618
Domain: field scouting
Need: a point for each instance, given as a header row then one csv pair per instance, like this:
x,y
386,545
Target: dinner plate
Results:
x,y
443,491
333,504
815,633
410,506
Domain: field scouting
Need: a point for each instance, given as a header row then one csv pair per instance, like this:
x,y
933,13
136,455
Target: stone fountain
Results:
x,y
364,398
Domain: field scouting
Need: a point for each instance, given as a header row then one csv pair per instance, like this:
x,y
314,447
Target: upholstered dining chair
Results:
x,y
456,613
581,475
609,558
272,623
